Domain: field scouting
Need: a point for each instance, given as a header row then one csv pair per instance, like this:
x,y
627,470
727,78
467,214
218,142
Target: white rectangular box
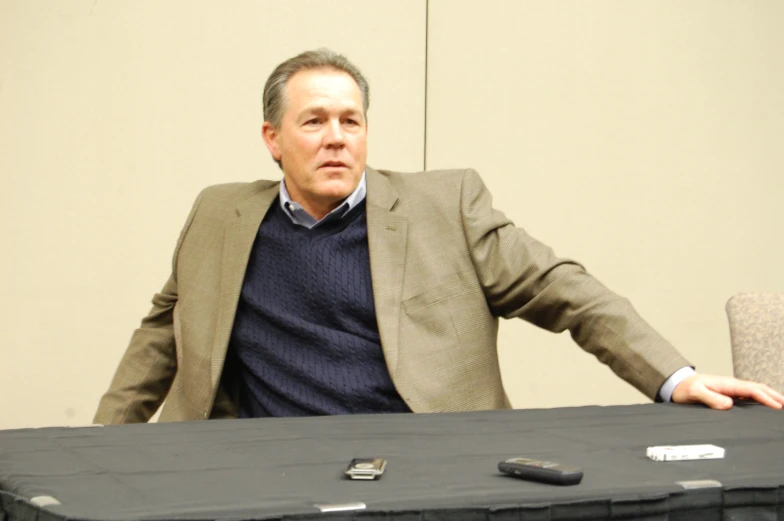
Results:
x,y
684,452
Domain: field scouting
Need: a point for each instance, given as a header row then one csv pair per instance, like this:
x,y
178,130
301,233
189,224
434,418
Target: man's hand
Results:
x,y
717,392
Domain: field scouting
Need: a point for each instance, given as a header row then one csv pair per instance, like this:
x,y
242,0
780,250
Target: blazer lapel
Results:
x,y
387,227
240,233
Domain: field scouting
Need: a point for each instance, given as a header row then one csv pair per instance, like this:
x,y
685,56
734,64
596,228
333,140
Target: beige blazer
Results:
x,y
444,266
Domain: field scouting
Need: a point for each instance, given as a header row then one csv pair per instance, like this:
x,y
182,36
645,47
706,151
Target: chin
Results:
x,y
339,188
336,195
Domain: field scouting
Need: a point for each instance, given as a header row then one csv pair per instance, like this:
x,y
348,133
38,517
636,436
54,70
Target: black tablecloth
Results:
x,y
440,466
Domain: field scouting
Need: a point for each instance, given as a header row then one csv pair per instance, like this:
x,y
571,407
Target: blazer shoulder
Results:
x,y
426,176
224,196
234,192
439,185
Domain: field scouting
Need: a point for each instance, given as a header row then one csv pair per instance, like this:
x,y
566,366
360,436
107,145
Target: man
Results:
x,y
348,290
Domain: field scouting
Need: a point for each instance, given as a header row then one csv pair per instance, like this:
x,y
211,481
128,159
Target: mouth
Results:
x,y
333,164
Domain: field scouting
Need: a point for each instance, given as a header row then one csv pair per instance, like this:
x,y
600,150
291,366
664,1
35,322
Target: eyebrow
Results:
x,y
322,109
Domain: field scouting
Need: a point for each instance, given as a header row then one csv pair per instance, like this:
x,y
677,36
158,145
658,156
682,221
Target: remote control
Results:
x,y
543,471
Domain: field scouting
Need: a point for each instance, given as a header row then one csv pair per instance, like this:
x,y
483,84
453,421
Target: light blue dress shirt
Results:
x,y
300,216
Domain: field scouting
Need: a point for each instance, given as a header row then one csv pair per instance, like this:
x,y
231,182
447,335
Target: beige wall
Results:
x,y
640,138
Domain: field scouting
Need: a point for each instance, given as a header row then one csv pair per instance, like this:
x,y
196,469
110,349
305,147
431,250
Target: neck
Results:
x,y
318,209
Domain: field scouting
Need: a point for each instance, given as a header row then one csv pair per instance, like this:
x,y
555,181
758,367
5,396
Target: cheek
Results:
x,y
308,144
359,145
300,148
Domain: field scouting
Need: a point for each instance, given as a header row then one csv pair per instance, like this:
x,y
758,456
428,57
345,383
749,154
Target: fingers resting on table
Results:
x,y
718,392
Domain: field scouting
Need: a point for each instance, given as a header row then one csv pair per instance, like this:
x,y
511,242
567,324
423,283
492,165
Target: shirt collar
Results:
x,y
299,216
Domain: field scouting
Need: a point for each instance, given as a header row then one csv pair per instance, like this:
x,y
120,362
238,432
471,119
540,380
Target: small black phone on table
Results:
x,y
542,471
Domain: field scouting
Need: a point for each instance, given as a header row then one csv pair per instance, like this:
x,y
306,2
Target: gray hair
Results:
x,y
275,89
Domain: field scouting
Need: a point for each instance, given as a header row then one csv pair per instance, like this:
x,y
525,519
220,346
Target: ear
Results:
x,y
271,136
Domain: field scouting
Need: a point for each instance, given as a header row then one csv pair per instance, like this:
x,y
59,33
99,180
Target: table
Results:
x,y
440,466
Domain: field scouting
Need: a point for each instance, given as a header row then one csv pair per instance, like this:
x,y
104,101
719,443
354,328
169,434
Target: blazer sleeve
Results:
x,y
521,277
147,368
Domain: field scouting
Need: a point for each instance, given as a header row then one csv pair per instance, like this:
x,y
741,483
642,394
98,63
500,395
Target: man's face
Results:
x,y
322,139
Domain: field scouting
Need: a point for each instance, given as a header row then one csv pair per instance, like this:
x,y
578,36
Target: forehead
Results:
x,y
322,87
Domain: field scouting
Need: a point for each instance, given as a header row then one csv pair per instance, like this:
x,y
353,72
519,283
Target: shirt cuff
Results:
x,y
665,391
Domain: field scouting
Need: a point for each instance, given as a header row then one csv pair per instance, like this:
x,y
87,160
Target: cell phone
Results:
x,y
542,471
366,468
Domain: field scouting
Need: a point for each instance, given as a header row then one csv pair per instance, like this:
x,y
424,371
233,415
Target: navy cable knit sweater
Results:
x,y
305,333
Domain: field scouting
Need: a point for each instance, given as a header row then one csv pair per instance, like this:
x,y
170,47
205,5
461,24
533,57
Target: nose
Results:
x,y
334,136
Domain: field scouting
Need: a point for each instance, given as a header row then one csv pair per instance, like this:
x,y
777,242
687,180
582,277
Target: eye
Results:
x,y
312,121
350,121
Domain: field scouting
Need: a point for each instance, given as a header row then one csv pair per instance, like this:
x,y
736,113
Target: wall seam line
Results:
x,y
427,34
